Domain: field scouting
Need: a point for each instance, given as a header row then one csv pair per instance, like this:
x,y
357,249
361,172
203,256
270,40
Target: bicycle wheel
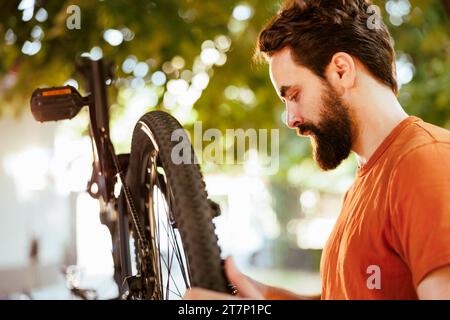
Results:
x,y
174,211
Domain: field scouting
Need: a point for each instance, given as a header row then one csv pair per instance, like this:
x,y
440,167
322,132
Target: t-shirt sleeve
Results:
x,y
420,209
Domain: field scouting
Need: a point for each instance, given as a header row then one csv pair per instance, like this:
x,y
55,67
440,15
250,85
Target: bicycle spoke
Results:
x,y
171,258
177,294
157,234
179,258
162,226
159,254
168,268
185,261
152,230
171,277
174,243
160,257
159,244
170,261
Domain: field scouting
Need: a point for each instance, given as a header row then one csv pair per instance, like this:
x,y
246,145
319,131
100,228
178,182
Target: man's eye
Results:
x,y
293,97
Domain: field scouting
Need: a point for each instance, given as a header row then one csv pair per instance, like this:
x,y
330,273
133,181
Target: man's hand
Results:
x,y
246,287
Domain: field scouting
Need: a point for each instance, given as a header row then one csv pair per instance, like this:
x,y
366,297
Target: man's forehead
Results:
x,y
282,60
279,70
284,74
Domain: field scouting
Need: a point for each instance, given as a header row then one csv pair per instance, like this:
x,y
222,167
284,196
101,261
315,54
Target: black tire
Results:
x,y
191,209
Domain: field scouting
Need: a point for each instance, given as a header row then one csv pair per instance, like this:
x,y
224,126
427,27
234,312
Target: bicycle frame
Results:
x,y
94,75
59,103
113,212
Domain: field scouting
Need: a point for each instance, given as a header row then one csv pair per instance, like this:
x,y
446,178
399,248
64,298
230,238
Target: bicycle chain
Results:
x,y
143,244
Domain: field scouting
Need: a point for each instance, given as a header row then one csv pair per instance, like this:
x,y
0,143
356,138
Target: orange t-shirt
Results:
x,y
394,227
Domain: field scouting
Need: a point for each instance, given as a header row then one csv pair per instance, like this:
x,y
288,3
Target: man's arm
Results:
x,y
274,293
247,288
420,215
436,285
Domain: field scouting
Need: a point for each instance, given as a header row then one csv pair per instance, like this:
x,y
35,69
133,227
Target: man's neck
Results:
x,y
376,116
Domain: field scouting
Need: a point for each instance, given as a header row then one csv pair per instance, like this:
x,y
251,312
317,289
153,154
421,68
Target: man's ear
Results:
x,y
341,72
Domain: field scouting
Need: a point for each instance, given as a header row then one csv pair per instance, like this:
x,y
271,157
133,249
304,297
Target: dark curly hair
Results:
x,y
315,30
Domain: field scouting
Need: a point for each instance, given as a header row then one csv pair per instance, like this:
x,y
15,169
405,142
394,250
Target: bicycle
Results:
x,y
151,180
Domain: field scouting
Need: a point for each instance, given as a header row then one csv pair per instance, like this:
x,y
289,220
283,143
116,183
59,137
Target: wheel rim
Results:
x,y
170,264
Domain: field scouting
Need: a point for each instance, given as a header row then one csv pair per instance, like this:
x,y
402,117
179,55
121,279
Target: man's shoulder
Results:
x,y
423,164
422,140
432,132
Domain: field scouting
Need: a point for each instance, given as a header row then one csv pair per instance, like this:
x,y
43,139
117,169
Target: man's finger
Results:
x,y
243,284
203,294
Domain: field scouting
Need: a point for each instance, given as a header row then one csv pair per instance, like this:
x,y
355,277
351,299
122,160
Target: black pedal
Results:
x,y
58,103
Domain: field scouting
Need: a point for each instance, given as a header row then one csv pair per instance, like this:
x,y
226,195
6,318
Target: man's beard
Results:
x,y
333,137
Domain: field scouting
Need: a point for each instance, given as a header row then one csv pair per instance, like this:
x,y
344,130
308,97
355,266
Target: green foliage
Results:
x,y
425,38
166,28
163,29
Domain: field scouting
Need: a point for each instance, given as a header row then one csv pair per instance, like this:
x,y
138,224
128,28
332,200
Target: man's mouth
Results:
x,y
303,133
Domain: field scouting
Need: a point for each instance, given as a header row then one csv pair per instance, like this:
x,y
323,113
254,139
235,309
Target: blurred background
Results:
x,y
192,59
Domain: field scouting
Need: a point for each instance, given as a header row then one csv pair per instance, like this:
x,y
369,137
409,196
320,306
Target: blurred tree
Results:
x,y
423,39
38,49
156,30
156,42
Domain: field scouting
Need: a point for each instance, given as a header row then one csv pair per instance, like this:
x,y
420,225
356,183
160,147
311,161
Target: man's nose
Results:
x,y
292,120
